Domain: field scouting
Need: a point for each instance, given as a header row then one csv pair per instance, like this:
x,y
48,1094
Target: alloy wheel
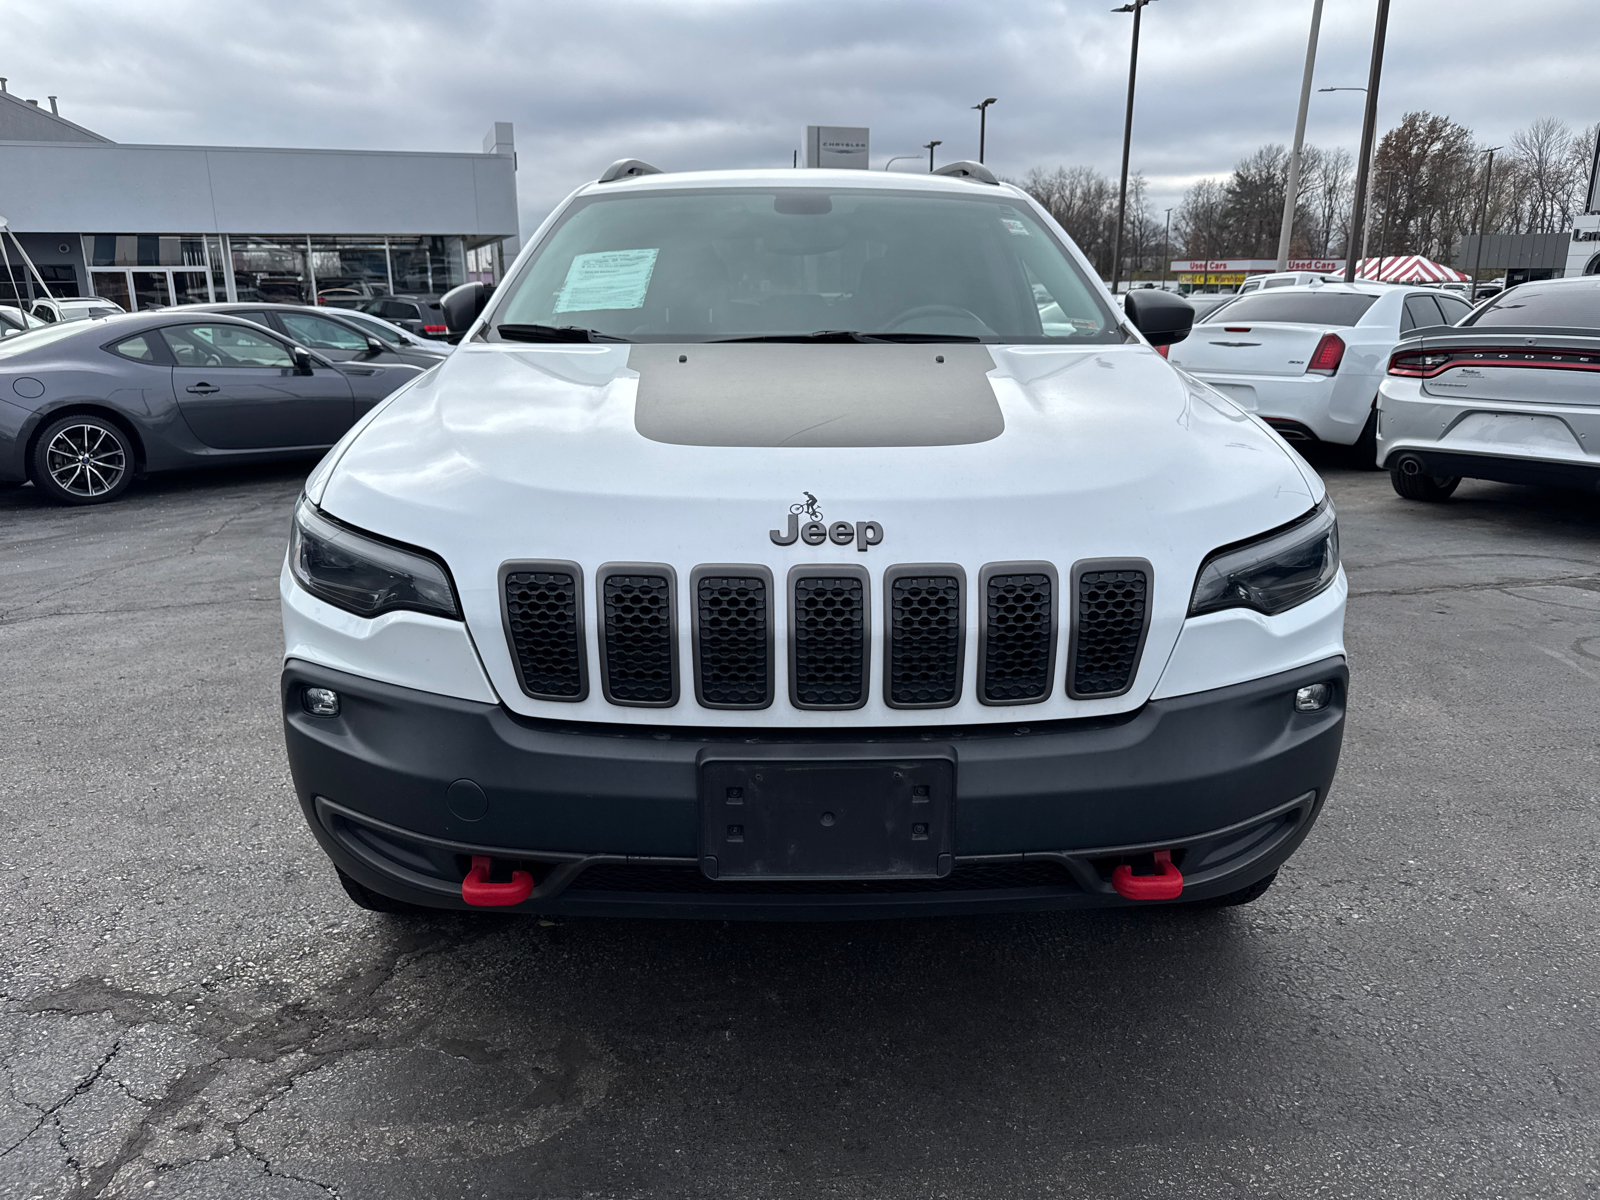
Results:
x,y
85,460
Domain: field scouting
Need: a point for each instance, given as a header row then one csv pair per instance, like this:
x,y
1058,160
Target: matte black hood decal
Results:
x,y
832,394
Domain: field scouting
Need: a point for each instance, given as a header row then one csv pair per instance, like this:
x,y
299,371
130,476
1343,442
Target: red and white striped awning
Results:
x,y
1408,268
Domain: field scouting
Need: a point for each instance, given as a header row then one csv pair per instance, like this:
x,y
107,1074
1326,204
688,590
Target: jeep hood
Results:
x,y
691,454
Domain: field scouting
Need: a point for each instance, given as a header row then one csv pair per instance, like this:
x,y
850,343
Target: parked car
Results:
x,y
350,295
335,335
14,320
91,404
1258,283
762,551
1508,394
391,333
416,314
74,309
1206,302
1308,358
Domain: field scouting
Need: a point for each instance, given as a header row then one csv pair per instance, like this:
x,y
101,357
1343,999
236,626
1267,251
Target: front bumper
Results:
x,y
607,819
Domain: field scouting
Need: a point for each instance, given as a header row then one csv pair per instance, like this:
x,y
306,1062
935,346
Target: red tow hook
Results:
x,y
1168,885
477,890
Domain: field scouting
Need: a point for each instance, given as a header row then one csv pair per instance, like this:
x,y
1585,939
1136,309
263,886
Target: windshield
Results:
x,y
710,265
1569,306
1294,308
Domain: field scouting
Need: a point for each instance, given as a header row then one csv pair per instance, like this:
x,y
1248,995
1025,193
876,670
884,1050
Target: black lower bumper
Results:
x,y
402,787
1536,472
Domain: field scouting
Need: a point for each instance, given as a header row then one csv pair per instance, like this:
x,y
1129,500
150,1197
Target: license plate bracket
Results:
x,y
828,813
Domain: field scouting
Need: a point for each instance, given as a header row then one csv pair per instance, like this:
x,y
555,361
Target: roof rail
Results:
x,y
626,168
967,169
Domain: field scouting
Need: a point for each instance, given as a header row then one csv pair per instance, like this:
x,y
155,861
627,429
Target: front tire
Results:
x,y
82,459
1419,485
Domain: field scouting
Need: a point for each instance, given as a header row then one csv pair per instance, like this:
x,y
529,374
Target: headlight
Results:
x,y
360,574
1272,573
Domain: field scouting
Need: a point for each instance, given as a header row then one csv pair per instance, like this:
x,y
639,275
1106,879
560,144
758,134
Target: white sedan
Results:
x,y
1309,359
1511,395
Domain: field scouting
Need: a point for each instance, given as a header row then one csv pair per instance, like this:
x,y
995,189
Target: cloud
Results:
x,y
716,83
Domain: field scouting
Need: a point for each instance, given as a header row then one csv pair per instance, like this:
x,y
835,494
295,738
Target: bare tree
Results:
x,y
1084,203
1200,226
1544,164
1330,185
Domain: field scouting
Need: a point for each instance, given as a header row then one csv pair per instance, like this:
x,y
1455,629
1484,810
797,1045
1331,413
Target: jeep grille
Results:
x,y
828,640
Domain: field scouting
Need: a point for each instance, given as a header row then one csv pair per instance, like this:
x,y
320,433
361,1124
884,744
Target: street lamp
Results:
x,y
1369,129
1483,216
1166,250
1135,7
928,146
983,114
1291,192
897,158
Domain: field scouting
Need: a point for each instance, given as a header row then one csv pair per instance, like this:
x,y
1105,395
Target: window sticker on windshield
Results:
x,y
1014,226
607,279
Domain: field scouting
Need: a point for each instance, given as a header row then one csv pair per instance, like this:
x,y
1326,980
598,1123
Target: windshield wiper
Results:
x,y
851,335
554,333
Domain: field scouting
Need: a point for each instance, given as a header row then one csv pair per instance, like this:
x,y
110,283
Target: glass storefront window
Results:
x,y
189,287
426,265
350,265
113,285
145,250
271,270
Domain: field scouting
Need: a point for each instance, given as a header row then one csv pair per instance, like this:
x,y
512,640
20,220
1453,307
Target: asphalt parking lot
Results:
x,y
189,1006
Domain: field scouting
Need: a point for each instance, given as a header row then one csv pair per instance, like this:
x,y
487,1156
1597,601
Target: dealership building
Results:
x,y
148,226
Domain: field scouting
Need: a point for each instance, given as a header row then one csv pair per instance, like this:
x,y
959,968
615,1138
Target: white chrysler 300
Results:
x,y
810,544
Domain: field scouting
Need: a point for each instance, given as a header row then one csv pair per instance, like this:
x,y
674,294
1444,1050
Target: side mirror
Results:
x,y
302,361
464,305
1162,317
374,346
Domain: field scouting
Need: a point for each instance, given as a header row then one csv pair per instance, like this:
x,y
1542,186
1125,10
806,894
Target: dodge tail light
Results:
x,y
436,329
1419,364
1325,359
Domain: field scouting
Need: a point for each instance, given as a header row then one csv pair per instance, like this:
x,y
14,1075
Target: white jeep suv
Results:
x,y
810,544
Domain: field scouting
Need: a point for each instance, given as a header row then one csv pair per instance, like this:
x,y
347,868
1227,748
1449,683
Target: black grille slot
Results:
x,y
828,642
1108,631
1018,634
925,642
544,616
733,640
640,665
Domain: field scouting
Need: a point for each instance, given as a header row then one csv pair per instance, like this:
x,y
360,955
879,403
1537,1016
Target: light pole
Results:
x,y
928,146
1292,190
1483,217
983,116
1166,250
1136,7
897,158
1369,129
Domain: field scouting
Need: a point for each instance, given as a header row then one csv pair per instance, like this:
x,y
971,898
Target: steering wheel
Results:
x,y
934,310
213,360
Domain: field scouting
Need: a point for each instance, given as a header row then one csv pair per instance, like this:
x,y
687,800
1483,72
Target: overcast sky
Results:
x,y
718,83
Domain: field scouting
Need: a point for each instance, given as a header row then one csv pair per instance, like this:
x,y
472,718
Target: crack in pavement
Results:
x,y
1586,582
306,1035
48,1114
100,577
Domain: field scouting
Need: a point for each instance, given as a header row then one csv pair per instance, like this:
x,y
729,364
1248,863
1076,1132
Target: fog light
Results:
x,y
324,702
1313,697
